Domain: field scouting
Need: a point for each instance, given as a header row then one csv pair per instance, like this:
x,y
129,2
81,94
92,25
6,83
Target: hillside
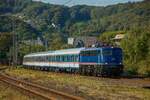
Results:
x,y
71,20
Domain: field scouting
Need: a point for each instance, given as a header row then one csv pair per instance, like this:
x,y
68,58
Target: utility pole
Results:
x,y
15,46
15,43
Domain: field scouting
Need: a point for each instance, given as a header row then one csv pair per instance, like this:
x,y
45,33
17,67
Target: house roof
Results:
x,y
119,36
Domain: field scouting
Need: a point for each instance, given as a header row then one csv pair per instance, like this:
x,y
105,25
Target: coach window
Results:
x,y
55,58
35,59
44,58
51,58
68,58
32,59
59,57
40,59
71,58
29,58
64,58
76,58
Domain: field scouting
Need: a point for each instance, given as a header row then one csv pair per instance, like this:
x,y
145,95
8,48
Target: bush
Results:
x,y
131,69
144,68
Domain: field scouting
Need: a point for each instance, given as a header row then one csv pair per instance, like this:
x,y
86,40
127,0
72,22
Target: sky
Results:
x,y
86,2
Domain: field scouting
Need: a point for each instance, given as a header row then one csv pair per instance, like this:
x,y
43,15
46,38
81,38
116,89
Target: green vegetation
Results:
x,y
54,24
137,51
88,87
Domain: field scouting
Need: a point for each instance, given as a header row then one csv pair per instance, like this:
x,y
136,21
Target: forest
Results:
x,y
55,23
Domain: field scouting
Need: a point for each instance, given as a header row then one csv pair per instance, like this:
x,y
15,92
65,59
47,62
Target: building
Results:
x,y
117,39
82,41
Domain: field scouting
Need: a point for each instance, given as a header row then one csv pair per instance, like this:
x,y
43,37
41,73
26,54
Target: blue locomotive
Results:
x,y
86,61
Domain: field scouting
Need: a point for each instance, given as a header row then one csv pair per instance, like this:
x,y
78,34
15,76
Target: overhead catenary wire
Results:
x,y
67,2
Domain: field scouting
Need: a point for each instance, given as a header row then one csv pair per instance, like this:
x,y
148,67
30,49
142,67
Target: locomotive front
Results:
x,y
101,61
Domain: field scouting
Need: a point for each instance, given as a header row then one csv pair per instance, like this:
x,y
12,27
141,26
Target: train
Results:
x,y
101,61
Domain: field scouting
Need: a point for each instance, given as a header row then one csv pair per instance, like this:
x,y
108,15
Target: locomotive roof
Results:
x,y
99,48
57,52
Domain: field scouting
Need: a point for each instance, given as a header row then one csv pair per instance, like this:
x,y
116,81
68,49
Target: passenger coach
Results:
x,y
86,61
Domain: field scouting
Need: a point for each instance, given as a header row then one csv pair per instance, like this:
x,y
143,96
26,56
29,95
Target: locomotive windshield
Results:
x,y
112,52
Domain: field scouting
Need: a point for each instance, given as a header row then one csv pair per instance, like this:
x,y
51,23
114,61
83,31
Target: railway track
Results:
x,y
37,90
3,68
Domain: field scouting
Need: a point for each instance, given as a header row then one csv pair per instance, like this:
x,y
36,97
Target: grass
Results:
x,y
9,93
88,87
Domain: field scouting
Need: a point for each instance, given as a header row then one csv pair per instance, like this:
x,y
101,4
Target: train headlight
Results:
x,y
120,63
106,63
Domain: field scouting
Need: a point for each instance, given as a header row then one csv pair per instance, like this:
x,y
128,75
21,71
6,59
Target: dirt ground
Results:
x,y
90,88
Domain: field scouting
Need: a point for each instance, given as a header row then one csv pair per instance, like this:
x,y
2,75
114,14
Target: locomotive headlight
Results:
x,y
120,63
106,63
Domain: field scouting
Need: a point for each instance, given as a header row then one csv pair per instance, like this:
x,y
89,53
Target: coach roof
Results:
x,y
57,52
